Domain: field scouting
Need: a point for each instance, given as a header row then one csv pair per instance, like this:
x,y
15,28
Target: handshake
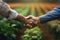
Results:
x,y
31,21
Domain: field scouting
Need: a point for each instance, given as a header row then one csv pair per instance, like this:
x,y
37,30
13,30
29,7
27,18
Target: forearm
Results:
x,y
14,15
52,15
21,18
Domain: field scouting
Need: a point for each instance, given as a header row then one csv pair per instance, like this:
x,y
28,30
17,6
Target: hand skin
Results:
x,y
35,20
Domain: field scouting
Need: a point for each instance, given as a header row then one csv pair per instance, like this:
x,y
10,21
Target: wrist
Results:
x,y
21,18
38,21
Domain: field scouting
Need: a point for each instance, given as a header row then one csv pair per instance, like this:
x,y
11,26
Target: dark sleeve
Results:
x,y
52,15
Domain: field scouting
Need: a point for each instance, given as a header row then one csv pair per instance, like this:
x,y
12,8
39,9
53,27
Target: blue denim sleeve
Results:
x,y
52,15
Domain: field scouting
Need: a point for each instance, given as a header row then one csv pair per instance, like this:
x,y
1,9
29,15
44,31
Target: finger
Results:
x,y
28,25
29,17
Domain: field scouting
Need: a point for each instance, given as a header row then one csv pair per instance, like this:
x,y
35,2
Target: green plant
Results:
x,y
32,34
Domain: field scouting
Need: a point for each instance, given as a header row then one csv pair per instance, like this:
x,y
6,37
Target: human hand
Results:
x,y
33,21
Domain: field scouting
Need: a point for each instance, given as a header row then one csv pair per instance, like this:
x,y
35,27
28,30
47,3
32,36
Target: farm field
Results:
x,y
14,30
37,7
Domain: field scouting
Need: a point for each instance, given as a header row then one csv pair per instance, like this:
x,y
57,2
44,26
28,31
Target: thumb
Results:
x,y
29,17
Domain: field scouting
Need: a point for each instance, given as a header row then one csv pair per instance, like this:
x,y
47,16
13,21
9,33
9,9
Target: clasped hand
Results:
x,y
31,21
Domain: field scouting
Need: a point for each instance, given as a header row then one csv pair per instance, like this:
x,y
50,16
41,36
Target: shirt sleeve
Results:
x,y
52,15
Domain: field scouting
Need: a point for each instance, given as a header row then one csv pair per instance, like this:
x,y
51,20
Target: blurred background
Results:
x,y
14,30
49,1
